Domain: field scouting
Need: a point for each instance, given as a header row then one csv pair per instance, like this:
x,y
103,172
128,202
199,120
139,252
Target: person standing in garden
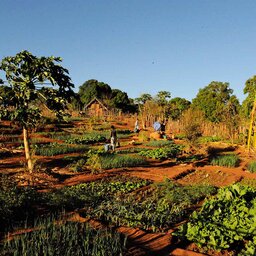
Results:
x,y
113,137
136,126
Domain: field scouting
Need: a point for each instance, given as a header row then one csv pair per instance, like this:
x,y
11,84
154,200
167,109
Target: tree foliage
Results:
x,y
162,97
177,106
93,88
212,100
24,72
250,90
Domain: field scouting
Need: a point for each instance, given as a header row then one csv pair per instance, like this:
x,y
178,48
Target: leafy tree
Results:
x,y
212,100
177,106
93,88
249,105
143,98
6,95
119,100
24,72
250,90
162,98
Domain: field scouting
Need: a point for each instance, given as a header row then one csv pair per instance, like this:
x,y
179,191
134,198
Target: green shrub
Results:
x,y
252,167
227,160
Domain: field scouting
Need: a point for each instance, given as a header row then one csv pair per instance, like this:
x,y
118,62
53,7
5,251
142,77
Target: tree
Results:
x,y
162,99
119,100
212,100
231,114
24,72
143,98
177,106
249,106
6,95
93,88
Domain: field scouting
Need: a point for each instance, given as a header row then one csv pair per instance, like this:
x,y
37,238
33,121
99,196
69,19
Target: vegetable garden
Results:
x,y
201,203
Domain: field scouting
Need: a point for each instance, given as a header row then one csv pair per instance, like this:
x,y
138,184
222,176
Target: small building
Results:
x,y
96,108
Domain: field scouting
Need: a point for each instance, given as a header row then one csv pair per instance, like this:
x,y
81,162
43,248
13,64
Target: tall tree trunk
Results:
x,y
251,124
27,150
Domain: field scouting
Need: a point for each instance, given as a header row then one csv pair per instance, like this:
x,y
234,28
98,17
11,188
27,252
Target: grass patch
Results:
x,y
52,237
248,182
227,160
206,139
252,167
118,161
54,149
159,143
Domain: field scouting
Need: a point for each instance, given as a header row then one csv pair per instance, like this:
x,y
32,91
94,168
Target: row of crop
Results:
x,y
171,151
16,203
166,205
93,193
53,149
51,238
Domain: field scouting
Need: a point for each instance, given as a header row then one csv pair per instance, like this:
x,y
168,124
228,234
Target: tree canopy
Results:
x,y
93,88
177,106
24,74
212,100
250,90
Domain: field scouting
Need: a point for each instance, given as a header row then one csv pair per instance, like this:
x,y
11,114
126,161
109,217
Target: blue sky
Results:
x,y
138,46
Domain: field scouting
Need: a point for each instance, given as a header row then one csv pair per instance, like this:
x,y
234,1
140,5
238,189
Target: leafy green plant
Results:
x,y
248,182
162,153
224,220
91,194
252,167
164,205
79,165
86,139
15,202
227,160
